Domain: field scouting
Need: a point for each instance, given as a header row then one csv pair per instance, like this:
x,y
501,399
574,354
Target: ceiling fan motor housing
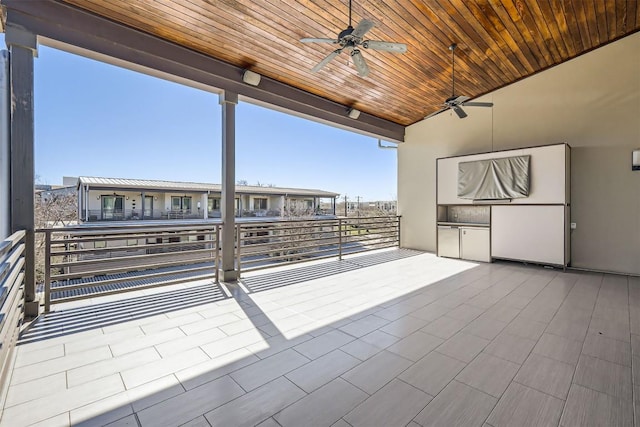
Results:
x,y
346,32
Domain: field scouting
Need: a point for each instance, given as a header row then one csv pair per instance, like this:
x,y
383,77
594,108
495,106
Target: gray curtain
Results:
x,y
494,179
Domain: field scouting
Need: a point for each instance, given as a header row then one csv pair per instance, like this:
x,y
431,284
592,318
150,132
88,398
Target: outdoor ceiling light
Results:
x,y
353,113
251,78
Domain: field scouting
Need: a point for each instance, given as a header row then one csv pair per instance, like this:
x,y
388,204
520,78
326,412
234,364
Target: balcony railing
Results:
x,y
271,244
135,214
155,214
12,265
84,262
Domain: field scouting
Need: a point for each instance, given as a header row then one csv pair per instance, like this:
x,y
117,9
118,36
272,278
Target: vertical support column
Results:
x,y
204,201
282,206
228,101
5,148
142,204
23,47
86,203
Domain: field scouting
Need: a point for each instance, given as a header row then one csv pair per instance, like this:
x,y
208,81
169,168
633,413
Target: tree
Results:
x,y
52,209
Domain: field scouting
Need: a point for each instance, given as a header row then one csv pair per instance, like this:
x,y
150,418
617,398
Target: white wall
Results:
x,y
591,102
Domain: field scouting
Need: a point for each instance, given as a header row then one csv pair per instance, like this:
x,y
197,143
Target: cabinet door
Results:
x,y
449,242
474,244
528,233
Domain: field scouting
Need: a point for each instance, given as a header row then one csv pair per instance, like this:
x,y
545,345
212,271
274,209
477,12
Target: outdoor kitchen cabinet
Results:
x,y
533,228
475,244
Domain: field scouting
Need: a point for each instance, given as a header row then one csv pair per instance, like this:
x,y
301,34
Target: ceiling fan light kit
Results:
x,y
455,102
350,40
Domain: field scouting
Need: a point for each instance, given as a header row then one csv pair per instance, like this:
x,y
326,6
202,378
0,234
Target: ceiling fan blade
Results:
x,y
362,28
478,104
437,112
316,40
386,46
461,99
360,63
459,111
326,60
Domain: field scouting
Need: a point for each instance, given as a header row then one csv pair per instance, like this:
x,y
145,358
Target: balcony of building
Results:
x,y
393,337
143,324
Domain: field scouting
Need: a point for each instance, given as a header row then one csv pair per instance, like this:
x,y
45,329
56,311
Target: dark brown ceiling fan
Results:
x,y
350,40
455,102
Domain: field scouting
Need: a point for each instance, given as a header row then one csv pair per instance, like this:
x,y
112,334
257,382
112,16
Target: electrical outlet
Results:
x,y
574,225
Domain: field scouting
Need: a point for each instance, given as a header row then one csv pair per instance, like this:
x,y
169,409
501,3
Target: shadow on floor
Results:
x,y
293,276
74,320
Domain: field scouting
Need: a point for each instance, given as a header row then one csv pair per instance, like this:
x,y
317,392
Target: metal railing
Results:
x,y
88,261
12,264
97,215
83,262
270,244
93,215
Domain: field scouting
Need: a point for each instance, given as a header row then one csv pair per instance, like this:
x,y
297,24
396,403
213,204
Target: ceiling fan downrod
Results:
x,y
452,48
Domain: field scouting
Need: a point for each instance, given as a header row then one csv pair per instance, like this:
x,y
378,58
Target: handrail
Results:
x,y
12,276
88,261
299,240
74,262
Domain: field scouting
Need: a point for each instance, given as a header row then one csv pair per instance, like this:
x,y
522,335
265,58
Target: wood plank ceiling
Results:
x,y
499,42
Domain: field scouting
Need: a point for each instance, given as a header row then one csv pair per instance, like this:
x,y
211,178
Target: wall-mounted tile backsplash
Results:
x,y
468,214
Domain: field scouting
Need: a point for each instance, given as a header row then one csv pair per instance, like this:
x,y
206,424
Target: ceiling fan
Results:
x,y
350,39
454,102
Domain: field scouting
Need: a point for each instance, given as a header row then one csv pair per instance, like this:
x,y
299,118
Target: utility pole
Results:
x,y
358,199
345,205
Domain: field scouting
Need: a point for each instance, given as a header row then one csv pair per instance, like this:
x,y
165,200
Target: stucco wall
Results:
x,y
592,103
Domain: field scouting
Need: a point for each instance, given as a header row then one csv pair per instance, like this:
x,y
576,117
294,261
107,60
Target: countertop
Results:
x,y
463,224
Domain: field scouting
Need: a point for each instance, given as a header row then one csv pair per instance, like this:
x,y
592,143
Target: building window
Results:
x,y
112,207
259,204
213,204
148,206
180,203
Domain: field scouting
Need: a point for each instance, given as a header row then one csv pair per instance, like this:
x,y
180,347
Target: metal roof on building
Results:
x,y
160,185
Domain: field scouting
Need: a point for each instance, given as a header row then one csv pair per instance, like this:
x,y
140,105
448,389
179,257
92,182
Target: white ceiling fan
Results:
x,y
350,40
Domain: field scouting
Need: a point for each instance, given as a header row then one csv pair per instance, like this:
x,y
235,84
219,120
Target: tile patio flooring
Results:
x,y
415,341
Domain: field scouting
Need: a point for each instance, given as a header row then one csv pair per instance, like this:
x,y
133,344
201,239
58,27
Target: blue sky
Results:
x,y
95,119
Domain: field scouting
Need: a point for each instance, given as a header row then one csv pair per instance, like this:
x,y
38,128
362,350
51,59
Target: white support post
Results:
x,y
282,206
86,203
204,201
228,101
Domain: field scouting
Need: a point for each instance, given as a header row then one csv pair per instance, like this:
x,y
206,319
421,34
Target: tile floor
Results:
x,y
414,341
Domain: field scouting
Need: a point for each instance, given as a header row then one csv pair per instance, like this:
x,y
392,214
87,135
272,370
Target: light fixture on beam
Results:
x,y
353,113
251,78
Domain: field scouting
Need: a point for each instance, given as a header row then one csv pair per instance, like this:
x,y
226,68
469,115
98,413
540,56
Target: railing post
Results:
x,y
340,239
238,255
217,257
47,271
399,235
